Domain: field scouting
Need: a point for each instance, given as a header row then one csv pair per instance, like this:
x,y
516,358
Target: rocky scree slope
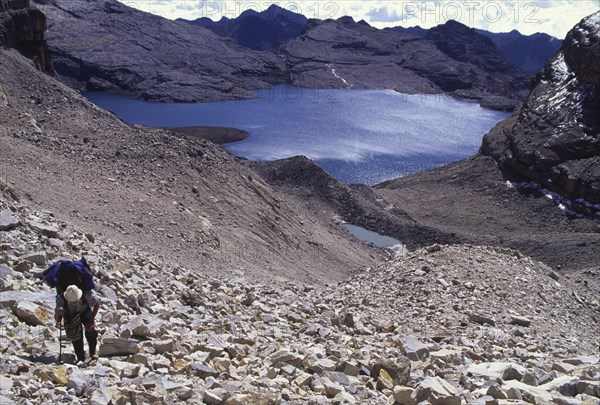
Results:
x,y
453,59
444,325
554,140
109,46
182,198
22,27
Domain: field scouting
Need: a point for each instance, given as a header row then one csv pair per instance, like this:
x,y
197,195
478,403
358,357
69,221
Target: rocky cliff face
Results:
x,y
22,27
555,138
105,45
453,58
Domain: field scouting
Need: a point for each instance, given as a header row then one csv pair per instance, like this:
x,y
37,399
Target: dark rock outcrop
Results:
x,y
261,31
555,138
453,58
22,27
111,47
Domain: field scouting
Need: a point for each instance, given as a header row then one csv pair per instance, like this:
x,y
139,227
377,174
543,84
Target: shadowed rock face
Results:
x,y
109,46
555,140
453,58
22,27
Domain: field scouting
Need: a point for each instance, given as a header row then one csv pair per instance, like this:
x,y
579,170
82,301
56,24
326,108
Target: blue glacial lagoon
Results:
x,y
358,136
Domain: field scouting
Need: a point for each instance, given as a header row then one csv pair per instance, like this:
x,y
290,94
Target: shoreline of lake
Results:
x,y
218,135
357,136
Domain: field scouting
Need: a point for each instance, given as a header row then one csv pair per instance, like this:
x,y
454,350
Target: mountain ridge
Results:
x,y
262,31
95,51
528,52
343,54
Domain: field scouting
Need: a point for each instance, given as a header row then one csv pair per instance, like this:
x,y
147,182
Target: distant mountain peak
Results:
x,y
263,31
346,20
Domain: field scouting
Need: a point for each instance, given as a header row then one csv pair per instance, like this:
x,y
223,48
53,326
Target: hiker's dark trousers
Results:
x,y
92,339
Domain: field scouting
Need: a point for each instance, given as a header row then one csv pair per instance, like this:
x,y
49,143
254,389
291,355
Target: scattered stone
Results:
x,y
8,221
496,392
332,389
404,395
116,346
212,398
398,370
23,266
482,319
6,272
437,391
101,397
414,349
38,258
80,382
46,230
518,320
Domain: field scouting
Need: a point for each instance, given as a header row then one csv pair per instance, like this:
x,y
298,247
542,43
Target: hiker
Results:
x,y
78,309
76,304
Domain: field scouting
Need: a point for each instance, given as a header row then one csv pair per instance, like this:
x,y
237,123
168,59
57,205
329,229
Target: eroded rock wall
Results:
x,y
22,27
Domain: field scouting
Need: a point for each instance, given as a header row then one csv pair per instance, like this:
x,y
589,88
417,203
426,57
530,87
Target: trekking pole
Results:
x,y
59,342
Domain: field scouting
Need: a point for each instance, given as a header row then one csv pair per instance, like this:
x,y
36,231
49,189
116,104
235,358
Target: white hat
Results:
x,y
72,294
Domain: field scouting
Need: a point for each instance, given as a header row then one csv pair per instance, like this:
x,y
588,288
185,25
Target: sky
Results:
x,y
554,17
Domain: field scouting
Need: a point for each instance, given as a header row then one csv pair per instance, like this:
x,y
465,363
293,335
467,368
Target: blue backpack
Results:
x,y
64,273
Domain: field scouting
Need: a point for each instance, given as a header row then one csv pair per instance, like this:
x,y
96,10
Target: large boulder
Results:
x,y
32,314
80,381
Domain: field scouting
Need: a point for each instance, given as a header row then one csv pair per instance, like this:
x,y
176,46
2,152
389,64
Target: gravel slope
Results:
x,y
183,198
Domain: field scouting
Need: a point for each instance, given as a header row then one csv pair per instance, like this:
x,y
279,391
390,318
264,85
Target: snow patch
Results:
x,y
333,72
399,250
561,202
559,67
